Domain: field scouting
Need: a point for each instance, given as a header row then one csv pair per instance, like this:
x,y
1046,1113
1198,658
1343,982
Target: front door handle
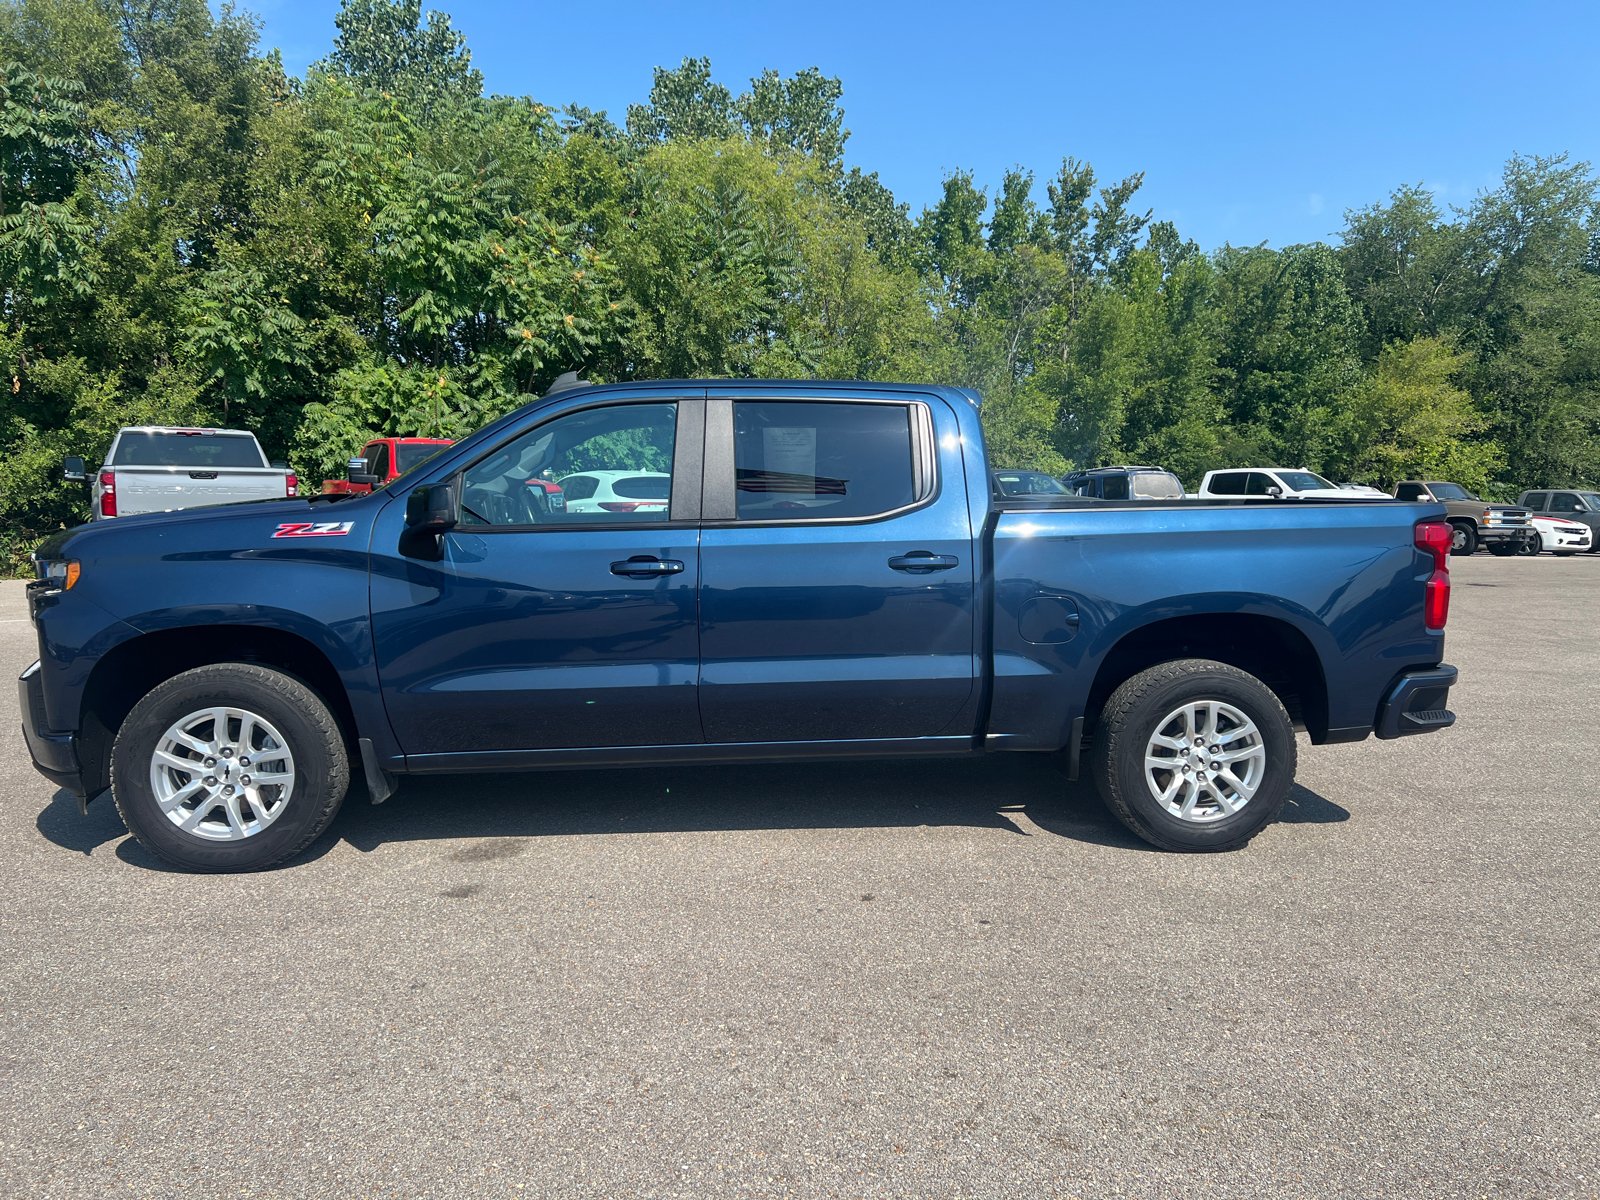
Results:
x,y
642,566
921,562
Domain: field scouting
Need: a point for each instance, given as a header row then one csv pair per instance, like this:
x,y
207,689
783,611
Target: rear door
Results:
x,y
837,574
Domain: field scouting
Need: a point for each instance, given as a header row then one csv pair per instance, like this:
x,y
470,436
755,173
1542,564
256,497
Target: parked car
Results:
x,y
616,491
1018,485
1563,538
158,468
1503,528
1283,483
1125,483
225,693
382,461
1567,505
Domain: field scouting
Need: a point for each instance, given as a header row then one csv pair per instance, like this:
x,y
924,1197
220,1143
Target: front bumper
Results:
x,y
55,755
1416,703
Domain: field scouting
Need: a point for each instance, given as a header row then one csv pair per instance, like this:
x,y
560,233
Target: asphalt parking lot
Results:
x,y
926,980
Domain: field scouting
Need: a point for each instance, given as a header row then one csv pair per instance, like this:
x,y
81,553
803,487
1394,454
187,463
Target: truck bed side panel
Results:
x,y
1347,576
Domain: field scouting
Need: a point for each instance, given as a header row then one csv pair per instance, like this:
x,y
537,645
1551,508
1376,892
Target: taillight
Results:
x,y
291,484
619,505
1435,538
108,494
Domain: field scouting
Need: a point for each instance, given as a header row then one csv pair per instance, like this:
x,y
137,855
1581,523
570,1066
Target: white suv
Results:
x,y
1273,483
617,491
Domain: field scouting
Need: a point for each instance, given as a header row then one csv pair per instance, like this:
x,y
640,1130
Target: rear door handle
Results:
x,y
645,567
921,562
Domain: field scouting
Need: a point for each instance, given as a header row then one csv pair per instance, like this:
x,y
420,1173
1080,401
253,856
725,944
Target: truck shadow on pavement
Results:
x,y
1016,794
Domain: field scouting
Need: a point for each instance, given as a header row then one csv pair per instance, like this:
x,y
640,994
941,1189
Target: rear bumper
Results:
x,y
1416,703
55,756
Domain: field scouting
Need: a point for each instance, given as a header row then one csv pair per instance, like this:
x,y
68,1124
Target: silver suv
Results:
x,y
1581,508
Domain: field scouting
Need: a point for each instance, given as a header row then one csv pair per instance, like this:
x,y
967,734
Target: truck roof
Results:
x,y
185,430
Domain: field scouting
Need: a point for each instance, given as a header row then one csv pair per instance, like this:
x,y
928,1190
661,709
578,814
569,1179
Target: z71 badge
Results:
x,y
314,529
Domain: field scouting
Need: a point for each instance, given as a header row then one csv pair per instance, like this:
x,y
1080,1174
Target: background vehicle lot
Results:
x,y
579,983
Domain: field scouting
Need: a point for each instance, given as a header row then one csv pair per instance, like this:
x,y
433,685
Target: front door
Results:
x,y
837,578
550,624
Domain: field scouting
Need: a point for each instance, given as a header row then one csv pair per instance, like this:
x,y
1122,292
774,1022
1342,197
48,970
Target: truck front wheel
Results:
x,y
1194,755
230,767
1463,538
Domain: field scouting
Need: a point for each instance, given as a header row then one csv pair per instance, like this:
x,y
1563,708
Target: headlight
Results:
x,y
62,574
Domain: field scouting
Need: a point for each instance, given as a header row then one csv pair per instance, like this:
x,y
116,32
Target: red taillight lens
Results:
x,y
291,484
1434,537
618,505
108,494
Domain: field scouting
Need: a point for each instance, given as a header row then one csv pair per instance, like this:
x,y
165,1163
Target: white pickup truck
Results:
x,y
157,469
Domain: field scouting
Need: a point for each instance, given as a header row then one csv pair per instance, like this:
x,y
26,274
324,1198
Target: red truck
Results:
x,y
382,461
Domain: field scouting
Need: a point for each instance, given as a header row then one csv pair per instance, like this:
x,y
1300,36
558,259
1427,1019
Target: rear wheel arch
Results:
x,y
1269,648
131,670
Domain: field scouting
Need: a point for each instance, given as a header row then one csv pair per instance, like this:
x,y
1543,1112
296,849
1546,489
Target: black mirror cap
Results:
x,y
430,512
566,382
74,469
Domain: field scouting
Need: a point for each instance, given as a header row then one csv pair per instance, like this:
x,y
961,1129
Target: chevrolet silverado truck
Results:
x,y
1505,529
831,577
161,469
382,461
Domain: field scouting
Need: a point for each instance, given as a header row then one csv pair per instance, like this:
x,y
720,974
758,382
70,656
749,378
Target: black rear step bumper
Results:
x,y
1416,703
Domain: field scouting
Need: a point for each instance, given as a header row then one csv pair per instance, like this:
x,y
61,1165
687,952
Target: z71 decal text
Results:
x,y
314,529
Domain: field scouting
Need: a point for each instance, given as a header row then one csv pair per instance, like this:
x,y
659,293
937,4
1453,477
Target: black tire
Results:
x,y
1129,721
309,731
1464,538
1506,549
1531,546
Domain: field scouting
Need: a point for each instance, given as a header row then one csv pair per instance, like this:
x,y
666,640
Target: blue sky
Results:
x,y
1251,122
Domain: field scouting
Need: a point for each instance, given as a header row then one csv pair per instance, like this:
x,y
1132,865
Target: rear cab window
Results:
x,y
187,449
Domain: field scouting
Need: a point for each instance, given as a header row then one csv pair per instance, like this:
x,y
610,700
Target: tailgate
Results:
x,y
161,489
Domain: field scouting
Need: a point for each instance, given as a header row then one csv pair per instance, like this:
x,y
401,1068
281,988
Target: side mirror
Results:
x,y
74,470
358,473
430,512
278,465
1274,491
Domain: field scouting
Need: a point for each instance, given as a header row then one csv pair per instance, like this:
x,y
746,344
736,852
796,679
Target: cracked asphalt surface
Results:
x,y
900,980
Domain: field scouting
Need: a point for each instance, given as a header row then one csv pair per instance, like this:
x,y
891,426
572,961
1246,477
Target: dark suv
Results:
x,y
1582,508
1125,483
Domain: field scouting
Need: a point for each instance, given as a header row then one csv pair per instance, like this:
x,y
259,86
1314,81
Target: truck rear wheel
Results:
x,y
230,767
1194,755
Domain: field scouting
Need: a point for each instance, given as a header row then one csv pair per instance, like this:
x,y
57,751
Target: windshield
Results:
x,y
1305,481
196,449
1592,499
1450,491
1153,485
1028,483
409,457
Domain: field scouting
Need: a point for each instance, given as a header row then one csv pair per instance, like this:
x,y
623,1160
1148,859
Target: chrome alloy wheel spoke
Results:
x,y
1204,761
219,784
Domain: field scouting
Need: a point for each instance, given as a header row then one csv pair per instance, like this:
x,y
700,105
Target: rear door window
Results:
x,y
1115,487
1231,483
1535,501
817,459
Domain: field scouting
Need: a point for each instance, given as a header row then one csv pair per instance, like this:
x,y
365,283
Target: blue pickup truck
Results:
x,y
720,572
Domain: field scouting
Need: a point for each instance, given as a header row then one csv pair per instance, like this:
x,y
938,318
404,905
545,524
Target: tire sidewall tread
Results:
x,y
1128,720
322,765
